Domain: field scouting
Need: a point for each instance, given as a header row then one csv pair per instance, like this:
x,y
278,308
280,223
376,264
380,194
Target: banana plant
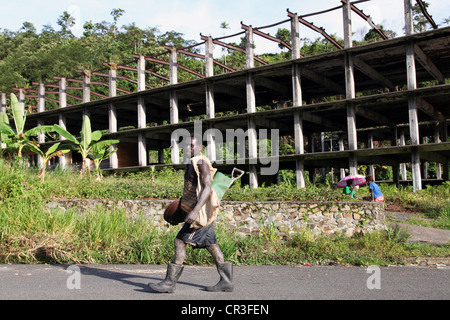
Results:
x,y
16,137
100,152
47,155
4,139
88,140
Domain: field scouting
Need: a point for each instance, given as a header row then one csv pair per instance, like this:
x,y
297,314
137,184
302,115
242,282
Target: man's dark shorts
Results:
x,y
198,238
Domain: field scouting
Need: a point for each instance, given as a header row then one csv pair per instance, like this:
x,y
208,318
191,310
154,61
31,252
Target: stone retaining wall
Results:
x,y
283,217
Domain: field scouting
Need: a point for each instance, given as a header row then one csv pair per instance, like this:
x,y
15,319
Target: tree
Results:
x,y
284,35
116,14
224,25
421,22
373,35
66,21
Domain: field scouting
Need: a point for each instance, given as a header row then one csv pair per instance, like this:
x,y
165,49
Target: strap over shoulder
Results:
x,y
195,160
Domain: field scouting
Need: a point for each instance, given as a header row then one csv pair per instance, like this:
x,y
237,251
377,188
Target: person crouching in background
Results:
x,y
375,192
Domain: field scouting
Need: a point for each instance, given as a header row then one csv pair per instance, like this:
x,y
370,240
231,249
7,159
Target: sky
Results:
x,y
192,17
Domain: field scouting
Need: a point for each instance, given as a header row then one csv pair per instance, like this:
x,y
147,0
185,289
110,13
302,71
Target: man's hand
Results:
x,y
190,218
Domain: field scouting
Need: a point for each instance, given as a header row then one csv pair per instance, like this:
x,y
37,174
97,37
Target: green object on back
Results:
x,y
220,184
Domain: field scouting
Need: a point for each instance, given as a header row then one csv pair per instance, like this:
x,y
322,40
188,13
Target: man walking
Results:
x,y
199,171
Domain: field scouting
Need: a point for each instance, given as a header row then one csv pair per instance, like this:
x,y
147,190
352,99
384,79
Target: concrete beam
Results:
x,y
428,64
372,73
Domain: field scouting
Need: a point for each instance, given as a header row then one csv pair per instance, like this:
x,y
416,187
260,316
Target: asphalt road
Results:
x,y
261,283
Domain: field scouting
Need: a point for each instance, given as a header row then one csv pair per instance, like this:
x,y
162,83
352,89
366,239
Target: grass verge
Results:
x,y
33,234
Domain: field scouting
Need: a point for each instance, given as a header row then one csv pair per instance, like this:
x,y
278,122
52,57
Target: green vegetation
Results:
x,y
28,56
16,141
431,206
33,233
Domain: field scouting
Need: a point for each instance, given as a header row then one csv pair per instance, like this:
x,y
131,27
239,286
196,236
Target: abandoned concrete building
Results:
x,y
377,95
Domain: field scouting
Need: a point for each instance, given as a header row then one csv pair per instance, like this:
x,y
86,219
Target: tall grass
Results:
x,y
34,234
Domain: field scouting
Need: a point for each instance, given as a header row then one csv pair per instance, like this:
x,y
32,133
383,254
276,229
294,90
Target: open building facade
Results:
x,y
393,90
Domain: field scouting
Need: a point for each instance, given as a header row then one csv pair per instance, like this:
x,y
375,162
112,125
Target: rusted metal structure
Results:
x,y
357,94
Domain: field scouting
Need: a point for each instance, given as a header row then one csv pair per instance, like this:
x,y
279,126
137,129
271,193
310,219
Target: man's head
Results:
x,y
194,146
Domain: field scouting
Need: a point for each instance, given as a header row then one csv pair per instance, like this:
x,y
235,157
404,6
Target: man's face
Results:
x,y
195,147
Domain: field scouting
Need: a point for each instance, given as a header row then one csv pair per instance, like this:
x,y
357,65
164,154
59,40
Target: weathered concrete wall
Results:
x,y
285,217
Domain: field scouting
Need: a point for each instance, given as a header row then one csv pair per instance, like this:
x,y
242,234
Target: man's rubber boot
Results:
x,y
226,278
172,275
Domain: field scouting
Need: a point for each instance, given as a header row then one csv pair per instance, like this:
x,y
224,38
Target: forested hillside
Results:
x,y
28,56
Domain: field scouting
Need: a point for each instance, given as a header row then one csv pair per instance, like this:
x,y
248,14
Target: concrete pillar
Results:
x,y
3,103
41,98
112,113
297,100
113,81
173,75
403,171
445,165
251,108
438,140
86,86
112,116
424,164
22,100
311,149
210,104
412,103
341,148
299,149
62,93
175,150
41,108
350,88
141,114
209,57
322,144
175,153
173,66
370,146
141,73
298,125
295,36
142,150
62,118
142,141
86,91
